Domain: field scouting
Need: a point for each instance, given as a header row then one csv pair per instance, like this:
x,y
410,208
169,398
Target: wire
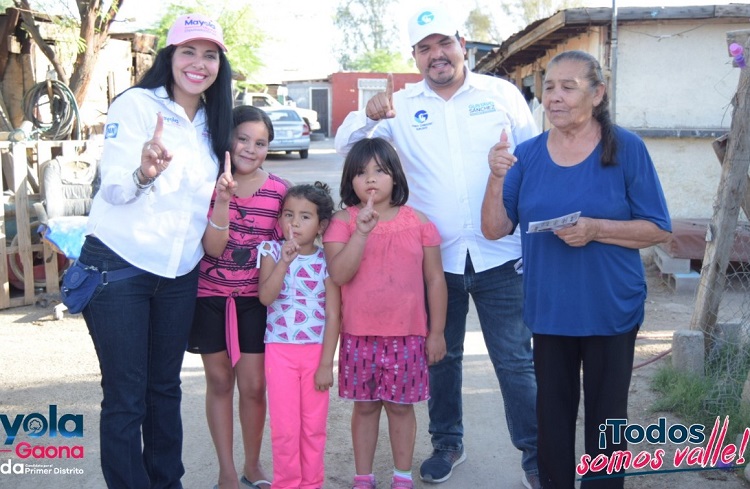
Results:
x,y
62,109
652,360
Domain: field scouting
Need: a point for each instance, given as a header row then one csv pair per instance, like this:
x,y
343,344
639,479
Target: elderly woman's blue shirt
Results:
x,y
597,289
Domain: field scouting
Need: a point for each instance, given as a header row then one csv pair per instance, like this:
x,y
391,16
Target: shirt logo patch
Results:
x,y
110,132
482,108
420,117
172,120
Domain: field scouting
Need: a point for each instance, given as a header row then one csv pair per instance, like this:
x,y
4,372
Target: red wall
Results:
x,y
345,92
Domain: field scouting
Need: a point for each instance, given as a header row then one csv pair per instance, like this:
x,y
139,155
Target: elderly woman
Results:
x,y
584,285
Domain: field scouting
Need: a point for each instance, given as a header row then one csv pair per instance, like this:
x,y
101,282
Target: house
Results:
x,y
334,97
476,50
309,94
671,81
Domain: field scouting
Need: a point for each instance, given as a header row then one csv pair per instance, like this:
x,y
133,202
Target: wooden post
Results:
x,y
730,197
720,149
7,177
20,172
538,85
51,270
4,284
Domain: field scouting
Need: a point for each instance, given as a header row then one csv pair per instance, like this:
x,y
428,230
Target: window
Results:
x,y
368,87
260,102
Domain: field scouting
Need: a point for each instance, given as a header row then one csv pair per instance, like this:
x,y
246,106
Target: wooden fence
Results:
x,y
21,177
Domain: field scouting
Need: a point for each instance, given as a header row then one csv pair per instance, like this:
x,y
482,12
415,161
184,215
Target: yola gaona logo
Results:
x,y
36,425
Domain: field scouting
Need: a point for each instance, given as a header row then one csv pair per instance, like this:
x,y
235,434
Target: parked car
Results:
x,y
291,133
262,100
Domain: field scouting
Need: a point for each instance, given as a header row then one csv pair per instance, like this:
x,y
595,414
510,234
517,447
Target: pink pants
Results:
x,y
298,416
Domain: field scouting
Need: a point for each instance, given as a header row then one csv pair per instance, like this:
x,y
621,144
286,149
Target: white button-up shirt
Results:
x,y
443,146
159,230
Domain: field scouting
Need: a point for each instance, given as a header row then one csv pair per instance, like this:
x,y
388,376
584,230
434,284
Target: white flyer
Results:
x,y
554,224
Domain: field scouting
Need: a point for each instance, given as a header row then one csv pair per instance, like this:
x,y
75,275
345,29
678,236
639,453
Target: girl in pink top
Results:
x,y
230,320
385,256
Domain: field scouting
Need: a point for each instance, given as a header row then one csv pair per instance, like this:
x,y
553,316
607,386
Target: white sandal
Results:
x,y
253,485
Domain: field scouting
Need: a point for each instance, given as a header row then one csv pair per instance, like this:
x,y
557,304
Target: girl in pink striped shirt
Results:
x,y
229,319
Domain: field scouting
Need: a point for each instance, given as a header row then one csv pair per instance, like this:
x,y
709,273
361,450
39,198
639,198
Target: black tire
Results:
x,y
303,153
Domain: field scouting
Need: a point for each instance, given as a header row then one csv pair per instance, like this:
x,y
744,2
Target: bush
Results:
x,y
699,400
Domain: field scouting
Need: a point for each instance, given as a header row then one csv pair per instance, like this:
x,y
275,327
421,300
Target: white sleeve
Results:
x,y
268,248
356,126
124,136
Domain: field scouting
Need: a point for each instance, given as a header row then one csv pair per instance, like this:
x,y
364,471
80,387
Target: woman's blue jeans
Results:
x,y
498,296
140,327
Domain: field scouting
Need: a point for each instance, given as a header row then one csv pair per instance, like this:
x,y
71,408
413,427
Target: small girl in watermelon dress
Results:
x,y
302,332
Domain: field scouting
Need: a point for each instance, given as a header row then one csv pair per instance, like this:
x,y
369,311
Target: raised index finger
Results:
x,y
503,144
227,163
389,87
159,126
369,199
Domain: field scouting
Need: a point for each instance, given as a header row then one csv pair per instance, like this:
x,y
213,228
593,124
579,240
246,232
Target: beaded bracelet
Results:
x,y
142,186
216,226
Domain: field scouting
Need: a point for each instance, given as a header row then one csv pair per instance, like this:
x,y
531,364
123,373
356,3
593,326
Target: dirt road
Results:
x,y
51,365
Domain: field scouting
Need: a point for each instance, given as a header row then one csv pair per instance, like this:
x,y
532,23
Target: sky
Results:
x,y
300,36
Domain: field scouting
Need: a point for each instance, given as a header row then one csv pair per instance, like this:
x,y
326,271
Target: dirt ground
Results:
x,y
46,363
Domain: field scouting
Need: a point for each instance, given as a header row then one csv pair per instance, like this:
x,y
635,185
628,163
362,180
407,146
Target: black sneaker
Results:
x,y
439,467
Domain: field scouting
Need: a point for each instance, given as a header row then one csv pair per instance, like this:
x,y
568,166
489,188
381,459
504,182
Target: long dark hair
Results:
x,y
601,112
387,159
217,99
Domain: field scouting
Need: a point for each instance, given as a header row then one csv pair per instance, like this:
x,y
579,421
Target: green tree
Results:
x,y
480,26
382,61
94,20
242,34
369,37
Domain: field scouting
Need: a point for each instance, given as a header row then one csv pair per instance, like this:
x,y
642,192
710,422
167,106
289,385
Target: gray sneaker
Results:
x,y
439,467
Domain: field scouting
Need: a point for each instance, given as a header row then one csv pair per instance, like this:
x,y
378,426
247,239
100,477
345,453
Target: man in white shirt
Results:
x,y
443,129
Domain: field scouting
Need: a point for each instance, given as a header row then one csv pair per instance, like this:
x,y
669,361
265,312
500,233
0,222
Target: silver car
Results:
x,y
291,133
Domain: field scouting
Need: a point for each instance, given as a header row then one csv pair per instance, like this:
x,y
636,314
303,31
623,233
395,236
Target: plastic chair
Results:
x,y
68,186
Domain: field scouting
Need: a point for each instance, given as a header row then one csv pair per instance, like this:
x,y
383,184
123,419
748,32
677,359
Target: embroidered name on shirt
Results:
x,y
482,108
110,131
172,120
